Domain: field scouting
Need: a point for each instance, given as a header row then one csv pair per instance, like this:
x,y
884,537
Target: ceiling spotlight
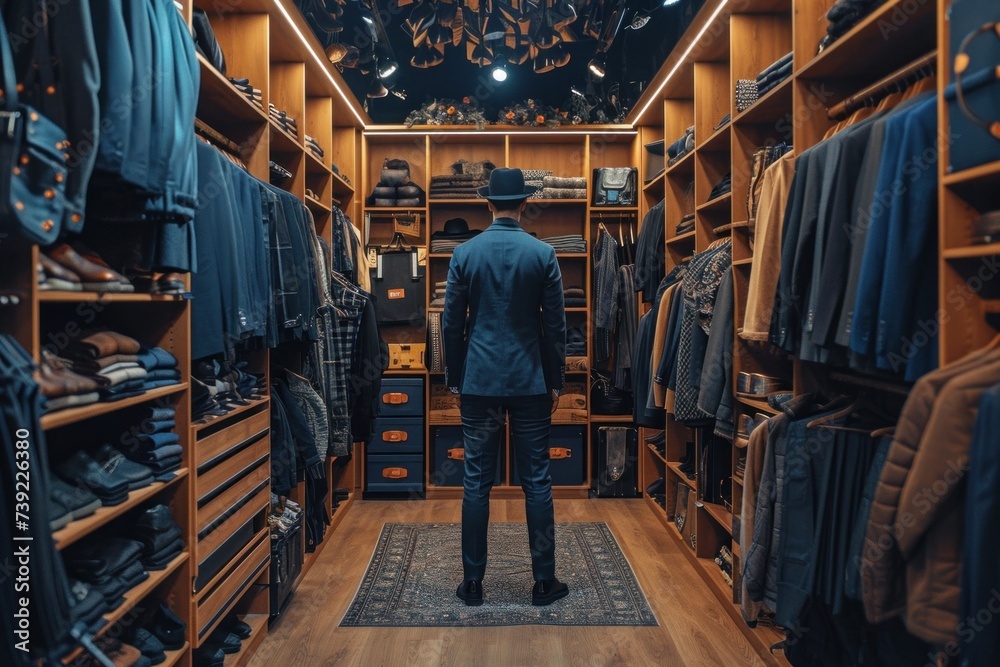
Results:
x,y
575,90
667,3
481,55
598,66
401,94
377,90
500,71
368,19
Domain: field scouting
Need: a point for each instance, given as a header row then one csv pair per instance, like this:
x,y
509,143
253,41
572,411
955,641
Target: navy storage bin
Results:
x,y
395,474
402,397
972,144
449,457
397,435
566,457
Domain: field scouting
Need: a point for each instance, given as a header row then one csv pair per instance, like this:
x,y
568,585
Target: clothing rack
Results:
x,y
207,131
920,68
871,383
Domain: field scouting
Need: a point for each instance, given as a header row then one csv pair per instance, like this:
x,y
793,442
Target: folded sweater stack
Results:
x,y
437,299
464,180
558,187
570,243
774,74
575,297
395,187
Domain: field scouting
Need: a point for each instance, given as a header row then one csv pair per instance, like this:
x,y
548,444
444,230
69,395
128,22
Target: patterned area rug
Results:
x,y
416,567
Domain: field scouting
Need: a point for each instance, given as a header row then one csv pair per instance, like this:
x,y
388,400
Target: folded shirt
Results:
x,y
164,374
156,384
122,390
564,193
153,440
570,183
156,357
97,365
117,367
71,401
161,453
102,344
118,377
164,465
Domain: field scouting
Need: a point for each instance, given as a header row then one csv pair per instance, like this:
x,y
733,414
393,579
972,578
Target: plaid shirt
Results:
x,y
343,341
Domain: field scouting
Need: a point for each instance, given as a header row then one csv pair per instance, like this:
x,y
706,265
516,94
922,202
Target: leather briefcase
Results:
x,y
615,186
397,281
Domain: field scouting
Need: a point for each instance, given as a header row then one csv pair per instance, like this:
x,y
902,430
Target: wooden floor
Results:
x,y
693,629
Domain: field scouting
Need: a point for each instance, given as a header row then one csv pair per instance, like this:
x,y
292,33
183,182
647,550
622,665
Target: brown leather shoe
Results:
x,y
55,379
93,276
92,255
169,283
56,277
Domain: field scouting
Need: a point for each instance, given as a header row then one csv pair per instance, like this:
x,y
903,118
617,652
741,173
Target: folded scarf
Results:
x,y
573,183
562,193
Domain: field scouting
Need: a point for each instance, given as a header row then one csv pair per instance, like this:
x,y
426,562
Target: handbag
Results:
x,y
615,186
397,281
606,398
974,97
32,157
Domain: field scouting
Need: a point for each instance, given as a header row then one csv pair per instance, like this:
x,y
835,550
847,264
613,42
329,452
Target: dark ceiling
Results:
x,y
633,58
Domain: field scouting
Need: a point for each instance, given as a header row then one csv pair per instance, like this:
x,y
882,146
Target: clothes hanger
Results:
x,y
855,410
925,84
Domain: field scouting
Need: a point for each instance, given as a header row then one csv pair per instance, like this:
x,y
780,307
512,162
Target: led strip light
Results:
x,y
656,95
322,63
625,131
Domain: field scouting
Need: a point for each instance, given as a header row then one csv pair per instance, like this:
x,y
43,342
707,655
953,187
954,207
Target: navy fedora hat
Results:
x,y
506,185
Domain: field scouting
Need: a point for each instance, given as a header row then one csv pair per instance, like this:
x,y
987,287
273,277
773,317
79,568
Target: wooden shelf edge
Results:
x,y
709,144
345,187
743,262
762,406
69,416
317,204
316,166
656,183
287,136
973,174
686,162
205,422
972,251
174,657
652,448
757,112
77,530
719,202
683,238
675,468
57,296
721,515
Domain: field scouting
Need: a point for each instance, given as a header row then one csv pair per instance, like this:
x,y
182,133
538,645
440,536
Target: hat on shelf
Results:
x,y
506,185
456,228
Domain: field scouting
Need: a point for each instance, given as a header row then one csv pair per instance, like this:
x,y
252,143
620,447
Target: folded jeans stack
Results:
x,y
681,147
464,181
154,443
160,538
844,15
570,243
724,186
774,74
110,359
575,297
110,565
685,225
314,147
282,118
69,503
160,366
248,91
557,187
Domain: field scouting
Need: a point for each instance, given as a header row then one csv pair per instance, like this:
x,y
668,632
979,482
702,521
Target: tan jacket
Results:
x,y
775,189
912,557
751,487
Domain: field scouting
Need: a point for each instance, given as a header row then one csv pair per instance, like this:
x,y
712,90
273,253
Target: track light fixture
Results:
x,y
576,92
494,29
377,90
667,3
598,66
500,70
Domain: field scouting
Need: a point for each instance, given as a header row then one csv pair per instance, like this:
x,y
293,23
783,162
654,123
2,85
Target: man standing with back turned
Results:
x,y
504,330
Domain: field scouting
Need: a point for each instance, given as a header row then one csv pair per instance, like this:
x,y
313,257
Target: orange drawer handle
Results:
x,y
557,453
457,454
395,398
394,473
395,436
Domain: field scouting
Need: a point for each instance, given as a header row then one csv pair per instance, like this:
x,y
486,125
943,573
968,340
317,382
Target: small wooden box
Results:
x,y
407,356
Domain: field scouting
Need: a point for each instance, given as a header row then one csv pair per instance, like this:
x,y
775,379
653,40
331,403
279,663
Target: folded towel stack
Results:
x,y
570,243
535,178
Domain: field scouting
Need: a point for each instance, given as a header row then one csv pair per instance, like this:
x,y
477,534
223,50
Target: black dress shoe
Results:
x,y
237,627
209,656
548,591
658,487
657,438
155,519
167,627
115,463
225,641
471,592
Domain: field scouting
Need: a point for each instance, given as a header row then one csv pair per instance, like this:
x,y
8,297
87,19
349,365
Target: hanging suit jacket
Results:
x,y
911,564
504,323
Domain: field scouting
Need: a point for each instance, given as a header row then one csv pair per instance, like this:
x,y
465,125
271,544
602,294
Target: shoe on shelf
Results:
x,y
235,626
167,627
108,485
79,501
56,277
150,647
115,463
209,656
55,379
225,641
658,487
547,591
93,276
59,514
657,438
470,591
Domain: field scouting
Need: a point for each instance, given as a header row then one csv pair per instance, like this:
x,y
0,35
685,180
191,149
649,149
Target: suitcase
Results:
x,y
617,457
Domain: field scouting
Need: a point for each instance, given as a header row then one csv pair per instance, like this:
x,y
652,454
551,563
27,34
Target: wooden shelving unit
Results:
x,y
69,416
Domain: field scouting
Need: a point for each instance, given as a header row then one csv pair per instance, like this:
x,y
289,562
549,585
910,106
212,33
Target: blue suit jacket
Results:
x,y
504,323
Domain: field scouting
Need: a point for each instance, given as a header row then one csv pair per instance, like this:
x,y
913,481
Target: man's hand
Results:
x,y
555,400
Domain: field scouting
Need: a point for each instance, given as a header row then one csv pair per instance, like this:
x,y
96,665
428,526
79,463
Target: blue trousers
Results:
x,y
530,423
